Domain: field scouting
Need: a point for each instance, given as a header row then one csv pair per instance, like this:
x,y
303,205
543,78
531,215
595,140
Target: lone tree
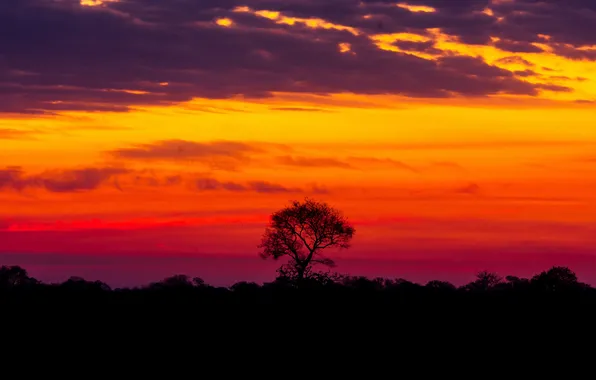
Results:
x,y
302,231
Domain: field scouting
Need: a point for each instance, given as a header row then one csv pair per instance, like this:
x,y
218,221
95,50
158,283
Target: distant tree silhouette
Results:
x,y
177,281
14,276
485,280
556,279
80,284
513,279
245,287
516,282
362,283
301,232
198,282
440,285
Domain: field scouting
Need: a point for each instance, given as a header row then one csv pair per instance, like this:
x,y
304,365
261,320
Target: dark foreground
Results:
x,y
324,322
321,300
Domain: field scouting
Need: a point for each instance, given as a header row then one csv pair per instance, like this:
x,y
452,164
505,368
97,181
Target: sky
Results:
x,y
145,138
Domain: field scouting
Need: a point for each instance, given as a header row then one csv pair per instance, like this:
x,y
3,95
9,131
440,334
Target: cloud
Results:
x,y
351,163
57,181
427,47
220,155
148,180
183,150
367,162
573,53
458,145
298,109
518,46
88,179
525,73
268,187
432,193
313,162
469,189
263,187
146,52
515,60
564,22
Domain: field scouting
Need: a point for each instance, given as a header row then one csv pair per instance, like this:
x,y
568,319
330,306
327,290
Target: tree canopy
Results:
x,y
302,231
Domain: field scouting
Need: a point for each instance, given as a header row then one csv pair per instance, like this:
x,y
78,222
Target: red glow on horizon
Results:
x,y
133,224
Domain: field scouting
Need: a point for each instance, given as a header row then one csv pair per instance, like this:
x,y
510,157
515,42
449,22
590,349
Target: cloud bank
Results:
x,y
60,55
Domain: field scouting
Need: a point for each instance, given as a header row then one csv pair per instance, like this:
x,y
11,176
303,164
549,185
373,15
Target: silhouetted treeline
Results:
x,y
326,290
323,311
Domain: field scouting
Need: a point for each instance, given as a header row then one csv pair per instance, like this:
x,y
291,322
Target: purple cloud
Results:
x,y
75,180
211,184
149,52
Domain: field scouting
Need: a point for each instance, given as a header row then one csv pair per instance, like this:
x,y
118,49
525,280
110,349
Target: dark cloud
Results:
x,y
365,162
457,145
514,59
566,78
427,47
87,179
268,187
223,155
59,55
573,53
518,46
298,109
313,162
570,22
211,184
352,163
76,180
470,189
554,87
183,150
525,73
145,179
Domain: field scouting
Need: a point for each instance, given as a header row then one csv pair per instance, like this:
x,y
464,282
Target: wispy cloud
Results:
x,y
455,145
351,163
367,162
218,155
469,189
57,181
185,150
313,162
299,109
264,187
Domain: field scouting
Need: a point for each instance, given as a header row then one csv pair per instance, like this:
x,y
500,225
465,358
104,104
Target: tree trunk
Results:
x,y
300,270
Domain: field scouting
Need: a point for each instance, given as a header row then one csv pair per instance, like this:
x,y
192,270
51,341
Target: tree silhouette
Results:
x,y
301,232
440,285
485,280
177,281
12,276
80,284
556,278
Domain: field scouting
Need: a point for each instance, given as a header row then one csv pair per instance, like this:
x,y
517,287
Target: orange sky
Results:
x,y
487,178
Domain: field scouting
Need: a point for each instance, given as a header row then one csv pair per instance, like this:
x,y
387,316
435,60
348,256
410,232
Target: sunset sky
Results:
x,y
144,138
